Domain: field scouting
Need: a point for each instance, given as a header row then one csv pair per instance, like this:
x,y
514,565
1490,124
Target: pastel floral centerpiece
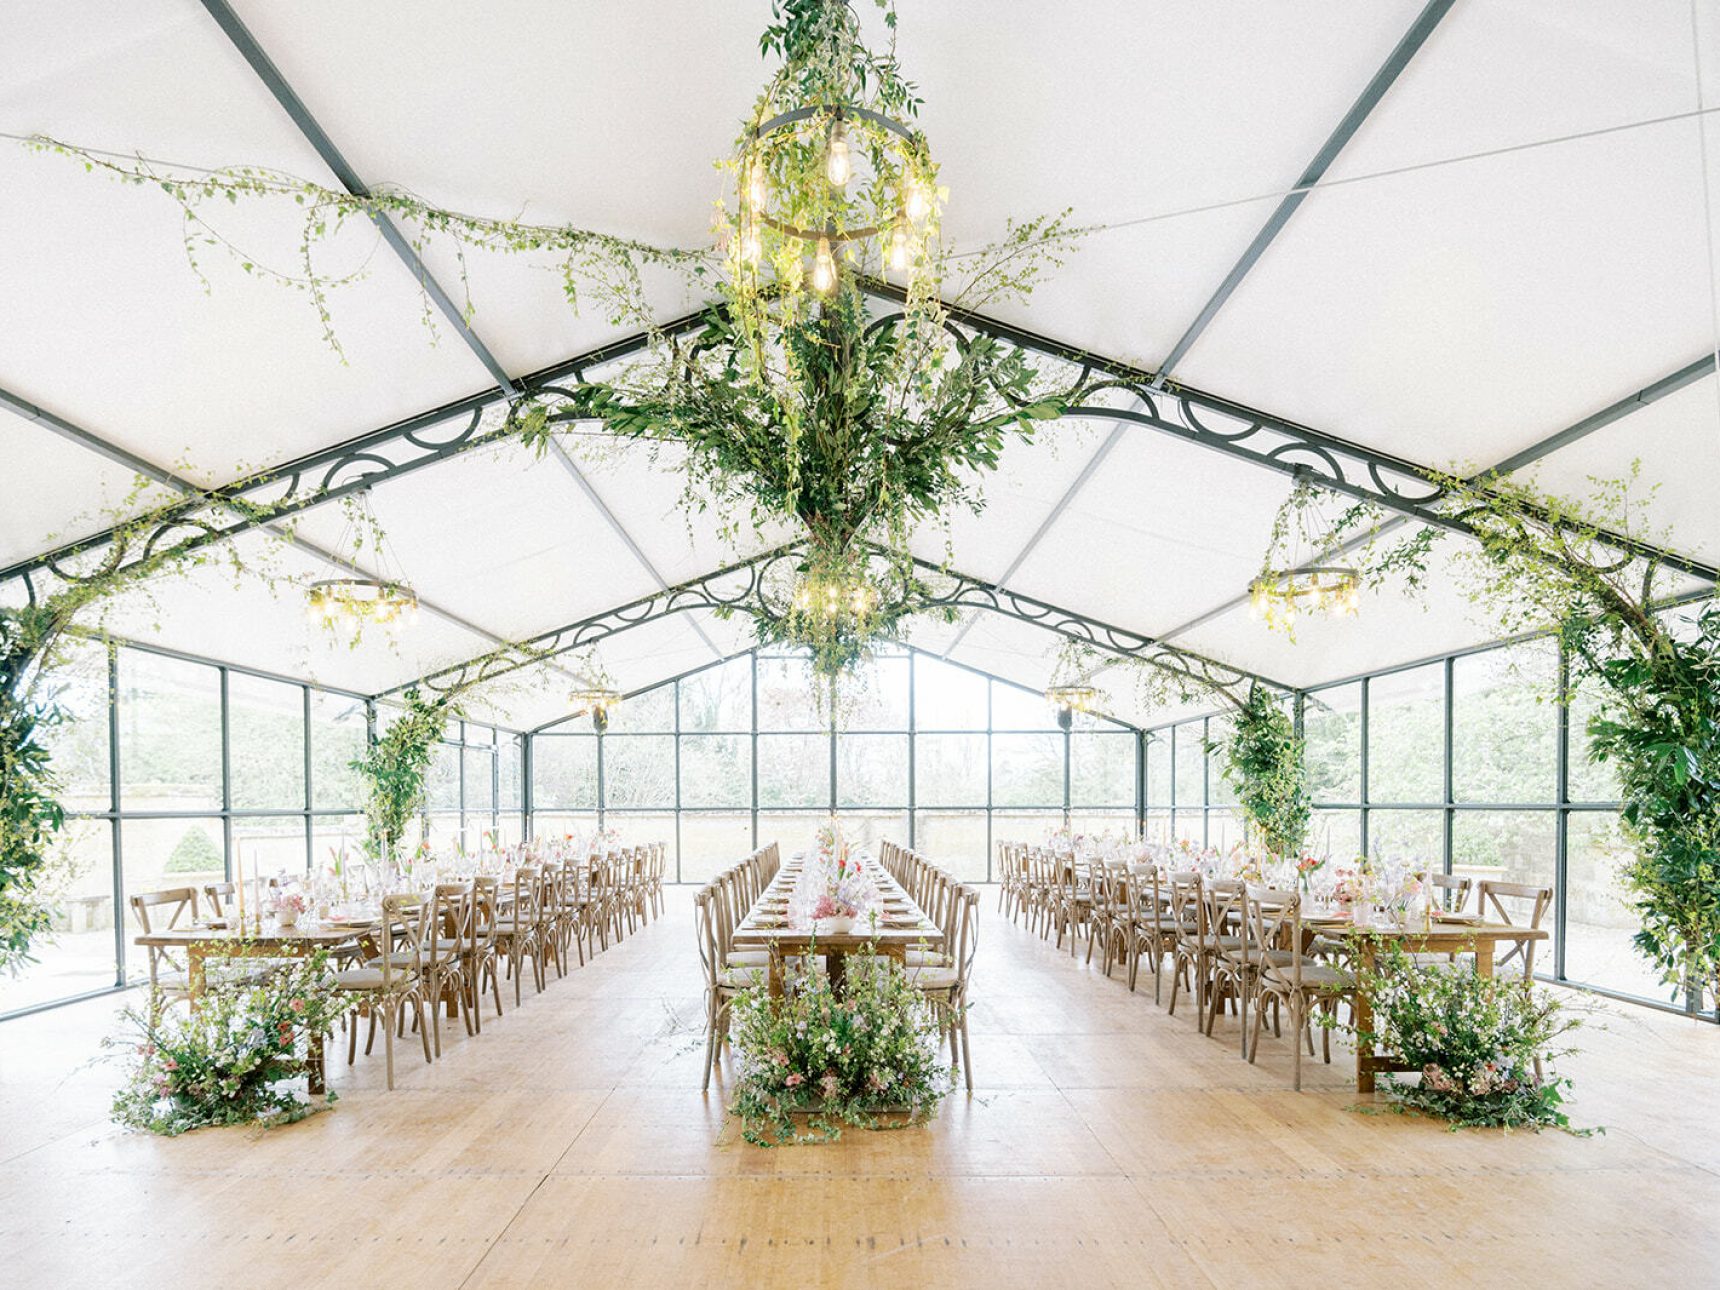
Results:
x,y
1306,867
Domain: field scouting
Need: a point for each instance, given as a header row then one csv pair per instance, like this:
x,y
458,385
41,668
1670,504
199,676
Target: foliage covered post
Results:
x,y
1263,760
394,768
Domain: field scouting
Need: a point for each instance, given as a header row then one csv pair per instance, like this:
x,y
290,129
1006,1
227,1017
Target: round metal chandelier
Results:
x,y
381,598
600,701
1070,699
1279,596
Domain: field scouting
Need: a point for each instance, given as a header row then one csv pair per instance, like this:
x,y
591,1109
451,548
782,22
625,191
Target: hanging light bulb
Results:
x,y
756,193
838,165
901,247
918,203
752,247
824,269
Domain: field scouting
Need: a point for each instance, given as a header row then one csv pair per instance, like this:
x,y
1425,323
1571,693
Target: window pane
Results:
x,y
1189,826
642,828
1504,730
1013,708
947,697
1116,824
1158,827
638,770
1219,790
1190,764
472,733
331,835
711,841
1406,736
170,733
1159,768
872,770
1588,780
719,698
480,781
79,743
793,770
442,782
1337,834
1513,846
267,846
787,699
76,954
1414,838
650,713
337,737
1102,769
1332,727
564,772
163,853
1599,924
955,840
442,832
563,824
880,702
716,770
793,831
1027,770
949,770
866,829
1031,827
508,772
1225,828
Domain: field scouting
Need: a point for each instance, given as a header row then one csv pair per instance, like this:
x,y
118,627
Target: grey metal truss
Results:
x,y
747,587
1407,48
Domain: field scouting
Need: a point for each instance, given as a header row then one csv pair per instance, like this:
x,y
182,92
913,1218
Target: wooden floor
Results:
x,y
1109,1144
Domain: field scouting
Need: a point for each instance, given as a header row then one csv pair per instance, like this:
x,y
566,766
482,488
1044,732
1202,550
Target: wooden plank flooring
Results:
x,y
1108,1144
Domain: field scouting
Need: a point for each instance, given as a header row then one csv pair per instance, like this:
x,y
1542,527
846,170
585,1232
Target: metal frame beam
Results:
x,y
1407,48
742,588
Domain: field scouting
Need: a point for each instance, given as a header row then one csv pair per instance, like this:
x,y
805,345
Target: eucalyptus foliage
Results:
x,y
1540,561
1263,760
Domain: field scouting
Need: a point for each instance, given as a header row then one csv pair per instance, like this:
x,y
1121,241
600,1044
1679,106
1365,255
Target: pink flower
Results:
x,y
794,1080
170,1064
297,1005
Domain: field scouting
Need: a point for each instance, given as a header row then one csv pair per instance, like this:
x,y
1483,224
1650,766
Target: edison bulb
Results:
x,y
918,203
901,248
755,186
838,165
824,269
752,248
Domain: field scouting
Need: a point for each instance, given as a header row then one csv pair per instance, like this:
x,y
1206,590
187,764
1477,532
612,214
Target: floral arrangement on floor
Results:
x,y
1475,1041
838,1060
230,1060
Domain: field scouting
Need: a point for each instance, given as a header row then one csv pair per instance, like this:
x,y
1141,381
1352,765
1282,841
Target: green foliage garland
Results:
x,y
1542,561
394,768
1263,760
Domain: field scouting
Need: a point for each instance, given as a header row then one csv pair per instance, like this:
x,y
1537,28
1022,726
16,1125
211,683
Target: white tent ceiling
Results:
x,y
1441,306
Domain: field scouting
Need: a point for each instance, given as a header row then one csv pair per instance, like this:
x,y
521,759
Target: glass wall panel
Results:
x,y
1504,727
564,772
1013,708
1031,827
76,955
1189,826
793,770
480,781
1414,838
1332,728
950,770
881,703
793,831
954,839
711,841
331,837
1510,846
1159,768
1219,790
650,713
337,739
164,853
868,828
716,770
947,697
786,696
1027,770
1406,736
1157,827
1589,780
564,824
872,770
1102,769
1190,764
170,733
1599,920
270,845
1337,834
78,744
442,782
719,698
638,771
508,764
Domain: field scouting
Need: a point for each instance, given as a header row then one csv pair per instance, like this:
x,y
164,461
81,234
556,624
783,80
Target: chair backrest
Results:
x,y
706,903
1185,904
451,918
1490,903
1221,907
177,900
410,915
218,893
485,899
964,944
1451,891
1274,917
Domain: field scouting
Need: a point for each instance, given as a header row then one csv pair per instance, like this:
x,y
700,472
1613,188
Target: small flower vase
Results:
x,y
288,917
837,924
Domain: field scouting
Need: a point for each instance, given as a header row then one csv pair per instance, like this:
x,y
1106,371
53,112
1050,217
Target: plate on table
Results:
x,y
1457,920
769,924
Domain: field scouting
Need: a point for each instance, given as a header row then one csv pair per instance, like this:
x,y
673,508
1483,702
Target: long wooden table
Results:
x,y
1481,939
902,926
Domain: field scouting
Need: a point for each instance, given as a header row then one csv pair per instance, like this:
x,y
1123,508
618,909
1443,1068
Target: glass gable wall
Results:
x,y
738,753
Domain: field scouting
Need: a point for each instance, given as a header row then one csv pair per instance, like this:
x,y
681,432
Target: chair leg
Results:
x,y
388,1048
1251,1045
423,1030
1297,1021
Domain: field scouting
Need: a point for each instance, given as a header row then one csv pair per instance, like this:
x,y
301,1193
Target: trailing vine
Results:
x,y
1263,760
1540,561
394,768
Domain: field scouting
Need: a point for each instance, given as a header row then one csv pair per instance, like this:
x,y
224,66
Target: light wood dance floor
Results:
x,y
1108,1144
